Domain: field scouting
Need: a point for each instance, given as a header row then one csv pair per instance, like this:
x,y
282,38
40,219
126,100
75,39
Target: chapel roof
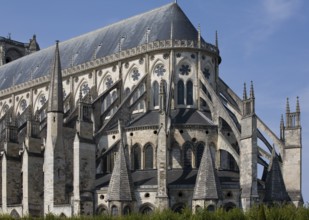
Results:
x,y
102,42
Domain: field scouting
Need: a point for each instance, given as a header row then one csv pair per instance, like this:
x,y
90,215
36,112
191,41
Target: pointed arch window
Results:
x,y
126,210
199,154
148,156
180,92
136,157
189,93
187,162
155,93
114,210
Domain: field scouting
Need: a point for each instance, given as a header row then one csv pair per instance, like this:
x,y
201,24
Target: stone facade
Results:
x,y
11,50
138,126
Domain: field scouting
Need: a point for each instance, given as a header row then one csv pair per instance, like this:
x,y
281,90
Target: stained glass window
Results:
x,y
155,93
109,82
136,154
206,73
148,157
135,75
189,93
185,69
180,92
187,162
160,70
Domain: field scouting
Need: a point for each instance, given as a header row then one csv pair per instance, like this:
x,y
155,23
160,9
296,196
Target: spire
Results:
x,y
217,42
207,185
251,91
120,185
274,184
55,100
244,97
287,108
297,105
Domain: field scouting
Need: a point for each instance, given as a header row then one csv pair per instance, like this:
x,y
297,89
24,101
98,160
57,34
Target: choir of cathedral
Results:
x,y
134,117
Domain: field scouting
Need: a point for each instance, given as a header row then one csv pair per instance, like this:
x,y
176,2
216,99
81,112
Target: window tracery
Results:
x,y
148,157
185,69
43,100
135,75
23,104
85,89
206,73
109,82
160,70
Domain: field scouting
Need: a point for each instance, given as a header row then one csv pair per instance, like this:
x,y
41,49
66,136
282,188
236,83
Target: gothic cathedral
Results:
x,y
134,117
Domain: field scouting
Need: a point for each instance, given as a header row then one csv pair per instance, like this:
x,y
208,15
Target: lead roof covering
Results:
x,y
102,42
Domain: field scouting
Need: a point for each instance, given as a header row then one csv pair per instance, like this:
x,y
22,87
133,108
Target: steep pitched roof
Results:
x,y
275,190
207,185
55,102
121,185
102,42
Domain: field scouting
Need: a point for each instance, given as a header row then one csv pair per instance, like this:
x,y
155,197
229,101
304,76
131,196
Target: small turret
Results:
x,y
244,96
297,112
248,103
287,108
292,160
217,41
251,91
281,128
33,45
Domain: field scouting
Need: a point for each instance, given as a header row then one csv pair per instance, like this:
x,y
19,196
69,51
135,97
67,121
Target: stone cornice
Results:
x,y
129,53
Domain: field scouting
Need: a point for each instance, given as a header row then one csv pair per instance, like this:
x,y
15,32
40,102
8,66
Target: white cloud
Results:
x,y
269,18
279,10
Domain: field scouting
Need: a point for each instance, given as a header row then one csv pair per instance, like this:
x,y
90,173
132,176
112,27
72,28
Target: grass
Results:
x,y
286,212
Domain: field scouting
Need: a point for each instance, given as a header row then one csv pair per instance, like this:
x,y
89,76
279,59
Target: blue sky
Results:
x,y
266,41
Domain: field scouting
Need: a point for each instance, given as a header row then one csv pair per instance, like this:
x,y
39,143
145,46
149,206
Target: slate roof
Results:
x,y
102,42
207,184
120,187
174,177
275,190
178,117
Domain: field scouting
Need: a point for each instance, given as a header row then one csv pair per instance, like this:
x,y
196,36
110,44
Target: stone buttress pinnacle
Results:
x,y
287,108
297,105
55,100
251,91
244,92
